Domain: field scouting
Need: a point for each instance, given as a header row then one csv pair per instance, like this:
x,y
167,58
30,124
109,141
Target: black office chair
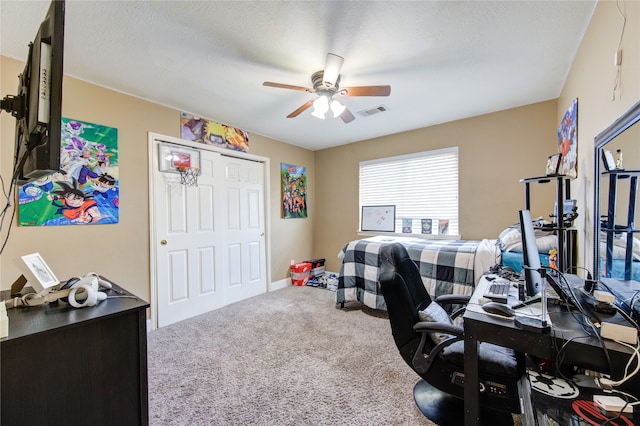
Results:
x,y
433,346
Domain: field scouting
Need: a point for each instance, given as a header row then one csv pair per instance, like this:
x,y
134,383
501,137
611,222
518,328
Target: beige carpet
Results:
x,y
284,358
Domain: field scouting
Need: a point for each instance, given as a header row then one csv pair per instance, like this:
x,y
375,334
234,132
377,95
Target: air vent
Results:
x,y
374,110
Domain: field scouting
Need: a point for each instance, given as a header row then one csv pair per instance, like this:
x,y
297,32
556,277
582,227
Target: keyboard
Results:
x,y
498,292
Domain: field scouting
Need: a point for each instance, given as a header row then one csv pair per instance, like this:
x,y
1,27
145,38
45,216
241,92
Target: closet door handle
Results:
x,y
163,242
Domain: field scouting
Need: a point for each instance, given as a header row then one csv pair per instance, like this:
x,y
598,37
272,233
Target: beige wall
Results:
x,y
121,251
495,151
591,81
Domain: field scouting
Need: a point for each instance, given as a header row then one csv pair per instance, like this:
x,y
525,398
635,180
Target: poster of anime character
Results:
x,y
86,190
568,141
294,191
209,132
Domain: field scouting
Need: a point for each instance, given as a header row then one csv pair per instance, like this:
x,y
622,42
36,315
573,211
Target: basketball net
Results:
x,y
189,175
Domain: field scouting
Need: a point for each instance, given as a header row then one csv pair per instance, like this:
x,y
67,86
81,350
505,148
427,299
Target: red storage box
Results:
x,y
300,273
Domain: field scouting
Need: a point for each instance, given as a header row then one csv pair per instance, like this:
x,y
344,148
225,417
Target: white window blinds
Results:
x,y
422,186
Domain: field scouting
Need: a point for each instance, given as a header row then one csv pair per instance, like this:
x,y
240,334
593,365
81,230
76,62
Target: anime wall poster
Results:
x,y
86,191
209,132
568,141
294,191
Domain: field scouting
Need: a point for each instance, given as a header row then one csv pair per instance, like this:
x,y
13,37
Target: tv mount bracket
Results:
x,y
13,105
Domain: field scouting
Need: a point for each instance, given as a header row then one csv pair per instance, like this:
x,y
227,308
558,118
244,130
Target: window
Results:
x,y
422,186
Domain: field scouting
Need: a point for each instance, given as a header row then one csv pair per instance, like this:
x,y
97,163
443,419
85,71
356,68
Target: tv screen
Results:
x,y
532,278
37,106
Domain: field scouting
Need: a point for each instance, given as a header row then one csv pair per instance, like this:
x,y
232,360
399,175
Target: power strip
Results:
x,y
619,332
612,404
604,296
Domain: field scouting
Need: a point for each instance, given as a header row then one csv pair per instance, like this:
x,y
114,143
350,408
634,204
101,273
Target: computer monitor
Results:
x,y
37,105
532,276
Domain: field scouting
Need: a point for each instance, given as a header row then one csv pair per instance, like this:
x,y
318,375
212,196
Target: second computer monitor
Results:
x,y
532,277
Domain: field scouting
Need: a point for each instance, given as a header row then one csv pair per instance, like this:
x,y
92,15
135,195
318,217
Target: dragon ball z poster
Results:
x,y
86,190
294,191
212,133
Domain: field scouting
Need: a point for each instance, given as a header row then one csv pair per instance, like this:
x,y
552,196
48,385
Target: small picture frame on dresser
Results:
x,y
38,273
608,160
553,164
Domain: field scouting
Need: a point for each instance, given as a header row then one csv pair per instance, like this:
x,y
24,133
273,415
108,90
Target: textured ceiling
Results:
x,y
444,60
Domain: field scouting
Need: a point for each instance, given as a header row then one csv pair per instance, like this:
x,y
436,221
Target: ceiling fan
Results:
x,y
326,84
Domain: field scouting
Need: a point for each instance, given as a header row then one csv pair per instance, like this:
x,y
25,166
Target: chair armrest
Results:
x,y
453,299
422,362
438,327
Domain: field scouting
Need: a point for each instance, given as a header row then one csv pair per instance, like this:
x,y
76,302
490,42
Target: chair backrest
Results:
x,y
404,293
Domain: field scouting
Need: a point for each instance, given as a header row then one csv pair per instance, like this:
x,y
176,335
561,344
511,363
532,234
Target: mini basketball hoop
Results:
x,y
189,175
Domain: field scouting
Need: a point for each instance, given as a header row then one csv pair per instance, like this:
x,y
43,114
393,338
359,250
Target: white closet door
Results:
x,y
209,240
245,267
189,244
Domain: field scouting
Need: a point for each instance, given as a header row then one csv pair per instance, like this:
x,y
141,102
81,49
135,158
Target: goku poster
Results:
x,y
294,191
86,190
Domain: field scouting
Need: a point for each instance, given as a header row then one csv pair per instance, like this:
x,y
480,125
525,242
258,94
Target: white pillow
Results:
x,y
511,239
508,238
544,244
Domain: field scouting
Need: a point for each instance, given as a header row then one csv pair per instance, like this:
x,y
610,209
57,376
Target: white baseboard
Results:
x,y
279,285
149,325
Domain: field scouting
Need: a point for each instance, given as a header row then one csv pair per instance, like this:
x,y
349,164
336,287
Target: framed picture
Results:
x,y
426,226
38,273
553,164
608,160
443,226
378,218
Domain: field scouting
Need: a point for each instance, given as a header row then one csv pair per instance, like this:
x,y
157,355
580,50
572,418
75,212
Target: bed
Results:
x,y
510,244
618,257
511,256
446,266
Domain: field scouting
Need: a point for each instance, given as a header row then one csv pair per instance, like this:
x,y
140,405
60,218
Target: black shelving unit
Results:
x,y
612,228
566,236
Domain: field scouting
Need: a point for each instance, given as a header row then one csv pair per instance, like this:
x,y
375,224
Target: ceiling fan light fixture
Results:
x,y
318,114
326,84
337,107
320,107
332,69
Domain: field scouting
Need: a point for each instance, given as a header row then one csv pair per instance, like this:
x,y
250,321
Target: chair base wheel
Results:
x,y
444,409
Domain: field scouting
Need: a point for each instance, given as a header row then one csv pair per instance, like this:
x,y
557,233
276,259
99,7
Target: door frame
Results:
x,y
153,140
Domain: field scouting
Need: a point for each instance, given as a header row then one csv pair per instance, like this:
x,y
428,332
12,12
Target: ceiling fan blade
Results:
x,y
286,86
299,110
346,116
332,69
366,91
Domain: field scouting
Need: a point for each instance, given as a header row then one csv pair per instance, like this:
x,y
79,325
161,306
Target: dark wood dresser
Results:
x,y
67,366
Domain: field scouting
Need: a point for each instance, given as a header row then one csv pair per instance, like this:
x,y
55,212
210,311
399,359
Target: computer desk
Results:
x,y
581,348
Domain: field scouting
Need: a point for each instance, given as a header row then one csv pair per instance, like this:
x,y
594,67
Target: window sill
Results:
x,y
394,235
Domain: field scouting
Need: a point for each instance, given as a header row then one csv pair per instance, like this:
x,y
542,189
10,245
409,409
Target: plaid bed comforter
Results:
x,y
446,267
